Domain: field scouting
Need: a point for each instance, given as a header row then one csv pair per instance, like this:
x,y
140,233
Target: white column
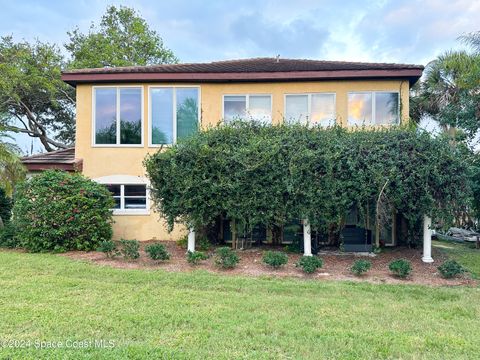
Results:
x,y
191,241
307,239
427,240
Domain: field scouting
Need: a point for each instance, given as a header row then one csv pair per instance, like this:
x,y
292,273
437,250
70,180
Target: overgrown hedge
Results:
x,y
58,211
255,173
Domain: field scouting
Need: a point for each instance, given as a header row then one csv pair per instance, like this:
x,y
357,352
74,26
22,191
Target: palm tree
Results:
x,y
11,168
447,93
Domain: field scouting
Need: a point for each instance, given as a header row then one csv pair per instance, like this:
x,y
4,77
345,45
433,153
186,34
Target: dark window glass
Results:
x,y
187,111
135,190
130,116
162,115
135,203
106,116
114,189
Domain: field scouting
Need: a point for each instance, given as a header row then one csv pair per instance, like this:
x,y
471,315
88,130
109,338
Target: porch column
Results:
x,y
307,239
191,240
427,239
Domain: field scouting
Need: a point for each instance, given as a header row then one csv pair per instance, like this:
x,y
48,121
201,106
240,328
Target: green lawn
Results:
x,y
464,253
154,314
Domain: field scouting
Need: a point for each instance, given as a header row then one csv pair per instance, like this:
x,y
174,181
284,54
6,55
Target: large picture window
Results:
x,y
129,198
314,109
373,108
247,107
118,115
174,113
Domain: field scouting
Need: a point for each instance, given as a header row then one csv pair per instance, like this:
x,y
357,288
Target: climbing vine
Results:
x,y
263,174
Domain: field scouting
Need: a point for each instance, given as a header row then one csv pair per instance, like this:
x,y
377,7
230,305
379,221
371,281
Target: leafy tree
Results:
x,y
123,38
33,98
258,174
449,92
5,208
11,169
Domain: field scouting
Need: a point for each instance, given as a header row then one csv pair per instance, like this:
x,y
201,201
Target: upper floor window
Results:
x,y
174,113
373,108
118,115
247,107
314,109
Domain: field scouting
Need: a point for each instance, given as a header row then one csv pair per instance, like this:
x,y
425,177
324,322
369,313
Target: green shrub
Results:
x,y
183,242
109,248
226,258
450,268
59,211
203,243
309,264
360,267
195,257
8,238
275,259
5,206
157,252
129,249
400,267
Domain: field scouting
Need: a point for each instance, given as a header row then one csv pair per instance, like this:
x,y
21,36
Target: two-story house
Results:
x,y
125,113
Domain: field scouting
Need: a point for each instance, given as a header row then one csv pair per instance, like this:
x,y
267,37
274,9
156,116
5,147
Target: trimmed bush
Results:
x,y
360,267
157,252
109,248
309,264
129,249
275,259
226,258
195,257
400,267
58,211
8,238
450,268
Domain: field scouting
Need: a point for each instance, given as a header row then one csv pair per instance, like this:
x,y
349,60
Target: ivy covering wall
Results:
x,y
263,174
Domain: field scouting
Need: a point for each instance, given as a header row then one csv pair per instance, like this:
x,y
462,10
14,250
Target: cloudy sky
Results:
x,y
381,31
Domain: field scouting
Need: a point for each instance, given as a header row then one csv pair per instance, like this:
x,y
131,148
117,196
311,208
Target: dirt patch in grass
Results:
x,y
336,265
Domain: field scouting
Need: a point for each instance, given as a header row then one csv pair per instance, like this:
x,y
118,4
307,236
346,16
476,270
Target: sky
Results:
x,y
378,31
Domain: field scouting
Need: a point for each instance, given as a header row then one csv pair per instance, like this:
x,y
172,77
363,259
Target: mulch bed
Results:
x,y
336,265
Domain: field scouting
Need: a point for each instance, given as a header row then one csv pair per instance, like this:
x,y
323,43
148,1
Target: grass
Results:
x,y
464,253
155,314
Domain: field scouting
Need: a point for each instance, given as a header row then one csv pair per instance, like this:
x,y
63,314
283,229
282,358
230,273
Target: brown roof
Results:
x,y
60,159
257,69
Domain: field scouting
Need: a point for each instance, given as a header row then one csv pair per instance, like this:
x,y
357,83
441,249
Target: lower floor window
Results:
x,y
129,197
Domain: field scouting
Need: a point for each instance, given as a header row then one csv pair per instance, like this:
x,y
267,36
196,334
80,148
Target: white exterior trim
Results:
x,y
427,240
174,105
117,145
307,238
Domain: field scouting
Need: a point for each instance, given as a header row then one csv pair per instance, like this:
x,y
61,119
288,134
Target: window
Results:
x,y
118,115
129,198
373,108
247,107
174,113
315,109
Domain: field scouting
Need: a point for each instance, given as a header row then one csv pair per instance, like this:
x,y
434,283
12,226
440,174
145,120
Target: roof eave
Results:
x,y
75,78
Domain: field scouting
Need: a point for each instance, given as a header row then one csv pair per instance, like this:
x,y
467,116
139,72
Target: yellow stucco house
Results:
x,y
125,113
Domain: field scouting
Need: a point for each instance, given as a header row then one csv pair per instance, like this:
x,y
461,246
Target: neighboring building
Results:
x,y
59,160
125,113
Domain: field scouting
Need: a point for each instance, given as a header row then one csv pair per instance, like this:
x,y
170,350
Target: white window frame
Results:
x,y
374,115
123,180
247,104
94,129
309,105
174,109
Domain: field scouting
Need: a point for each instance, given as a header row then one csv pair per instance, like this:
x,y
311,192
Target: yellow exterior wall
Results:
x,y
105,161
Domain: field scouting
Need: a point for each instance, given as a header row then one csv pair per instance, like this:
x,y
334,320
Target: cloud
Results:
x,y
297,38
